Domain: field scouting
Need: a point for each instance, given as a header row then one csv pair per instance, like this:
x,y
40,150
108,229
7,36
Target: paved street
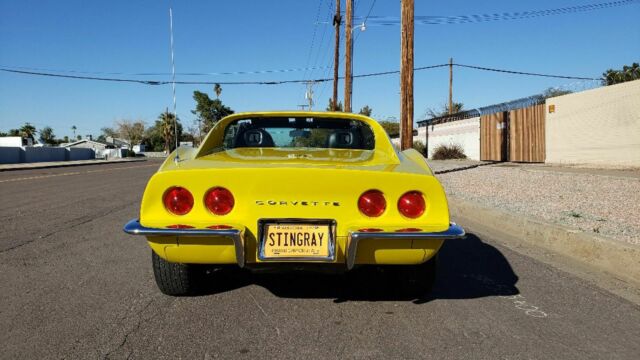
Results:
x,y
75,286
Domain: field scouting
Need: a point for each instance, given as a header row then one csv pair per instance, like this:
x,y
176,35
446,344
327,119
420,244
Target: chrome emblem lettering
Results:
x,y
296,203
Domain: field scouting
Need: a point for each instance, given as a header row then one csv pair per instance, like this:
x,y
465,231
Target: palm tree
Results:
x,y
47,136
456,106
27,130
74,128
218,90
167,127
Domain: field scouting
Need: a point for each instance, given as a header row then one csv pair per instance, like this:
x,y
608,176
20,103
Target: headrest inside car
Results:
x,y
257,138
343,139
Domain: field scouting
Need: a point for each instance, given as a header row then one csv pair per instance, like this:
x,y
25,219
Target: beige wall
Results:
x,y
595,127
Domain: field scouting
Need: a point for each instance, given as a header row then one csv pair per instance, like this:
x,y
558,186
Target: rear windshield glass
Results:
x,y
294,132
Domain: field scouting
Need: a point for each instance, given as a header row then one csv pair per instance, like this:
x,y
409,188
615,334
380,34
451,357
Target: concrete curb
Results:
x,y
617,258
45,165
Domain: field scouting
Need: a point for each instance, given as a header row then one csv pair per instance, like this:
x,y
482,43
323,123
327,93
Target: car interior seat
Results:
x,y
254,138
343,139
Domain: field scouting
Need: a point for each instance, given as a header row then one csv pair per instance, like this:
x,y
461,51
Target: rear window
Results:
x,y
299,132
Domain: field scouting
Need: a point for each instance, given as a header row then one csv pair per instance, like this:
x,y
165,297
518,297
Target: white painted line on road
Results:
x,y
74,173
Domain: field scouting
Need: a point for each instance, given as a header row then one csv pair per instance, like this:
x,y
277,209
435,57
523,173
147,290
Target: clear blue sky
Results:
x,y
247,35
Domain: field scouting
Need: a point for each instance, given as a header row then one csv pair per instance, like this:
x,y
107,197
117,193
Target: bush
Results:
x,y
445,152
419,147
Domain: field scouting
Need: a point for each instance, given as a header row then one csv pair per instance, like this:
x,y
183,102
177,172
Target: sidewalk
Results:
x,y
52,164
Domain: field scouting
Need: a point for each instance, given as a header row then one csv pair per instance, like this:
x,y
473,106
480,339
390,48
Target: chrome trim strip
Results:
x,y
134,227
453,232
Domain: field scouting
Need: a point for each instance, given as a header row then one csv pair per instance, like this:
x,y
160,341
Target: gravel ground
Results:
x,y
592,201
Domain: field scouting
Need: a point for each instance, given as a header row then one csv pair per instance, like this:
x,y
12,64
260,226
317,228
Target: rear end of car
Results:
x,y
266,207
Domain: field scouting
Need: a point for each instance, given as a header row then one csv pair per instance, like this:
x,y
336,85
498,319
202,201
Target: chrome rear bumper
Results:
x,y
453,232
134,227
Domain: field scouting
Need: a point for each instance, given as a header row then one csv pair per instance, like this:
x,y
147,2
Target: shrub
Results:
x,y
445,152
419,147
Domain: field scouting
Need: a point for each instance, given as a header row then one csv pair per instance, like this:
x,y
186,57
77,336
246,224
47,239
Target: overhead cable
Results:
x,y
479,18
294,81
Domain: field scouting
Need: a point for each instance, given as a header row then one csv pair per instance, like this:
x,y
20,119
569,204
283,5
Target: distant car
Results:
x,y
269,188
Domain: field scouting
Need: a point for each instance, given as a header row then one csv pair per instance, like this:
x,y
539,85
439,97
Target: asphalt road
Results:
x,y
73,285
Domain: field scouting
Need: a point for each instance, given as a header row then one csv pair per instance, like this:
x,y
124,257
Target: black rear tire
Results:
x,y
173,279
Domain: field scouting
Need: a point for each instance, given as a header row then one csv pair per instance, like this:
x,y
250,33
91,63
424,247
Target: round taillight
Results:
x,y
411,204
372,203
219,201
178,200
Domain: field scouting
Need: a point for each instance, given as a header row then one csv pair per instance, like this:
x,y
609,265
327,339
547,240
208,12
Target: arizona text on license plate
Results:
x,y
296,241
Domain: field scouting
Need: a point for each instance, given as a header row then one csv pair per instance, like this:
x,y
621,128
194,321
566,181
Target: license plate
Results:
x,y
297,241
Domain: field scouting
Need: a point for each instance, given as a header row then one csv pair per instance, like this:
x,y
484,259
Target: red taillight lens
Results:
x,y
178,200
372,203
219,201
411,204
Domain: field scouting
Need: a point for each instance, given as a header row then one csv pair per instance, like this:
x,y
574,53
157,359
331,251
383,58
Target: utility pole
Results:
x,y
450,86
406,74
337,19
348,79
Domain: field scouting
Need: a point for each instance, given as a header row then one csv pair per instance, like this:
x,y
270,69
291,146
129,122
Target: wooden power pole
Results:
x,y
450,86
406,75
337,19
348,79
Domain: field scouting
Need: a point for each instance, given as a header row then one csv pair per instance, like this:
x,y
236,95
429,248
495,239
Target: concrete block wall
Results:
x,y
43,154
10,155
16,155
465,133
81,154
595,127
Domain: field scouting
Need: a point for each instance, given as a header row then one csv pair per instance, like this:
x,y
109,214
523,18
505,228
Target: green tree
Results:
x,y
334,107
74,128
28,131
47,136
552,92
217,89
162,135
14,132
366,111
391,127
628,73
3,134
444,110
108,132
208,111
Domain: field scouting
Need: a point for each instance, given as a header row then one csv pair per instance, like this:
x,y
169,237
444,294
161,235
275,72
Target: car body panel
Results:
x,y
296,183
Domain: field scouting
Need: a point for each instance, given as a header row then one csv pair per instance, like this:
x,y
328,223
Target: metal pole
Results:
x,y
450,86
173,84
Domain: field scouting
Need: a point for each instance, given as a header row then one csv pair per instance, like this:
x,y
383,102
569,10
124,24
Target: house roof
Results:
x,y
97,143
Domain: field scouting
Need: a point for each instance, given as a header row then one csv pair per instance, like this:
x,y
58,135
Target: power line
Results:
x,y
525,73
365,19
252,72
313,37
280,82
478,18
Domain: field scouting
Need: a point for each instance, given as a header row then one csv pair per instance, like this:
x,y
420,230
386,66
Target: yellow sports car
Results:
x,y
309,189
